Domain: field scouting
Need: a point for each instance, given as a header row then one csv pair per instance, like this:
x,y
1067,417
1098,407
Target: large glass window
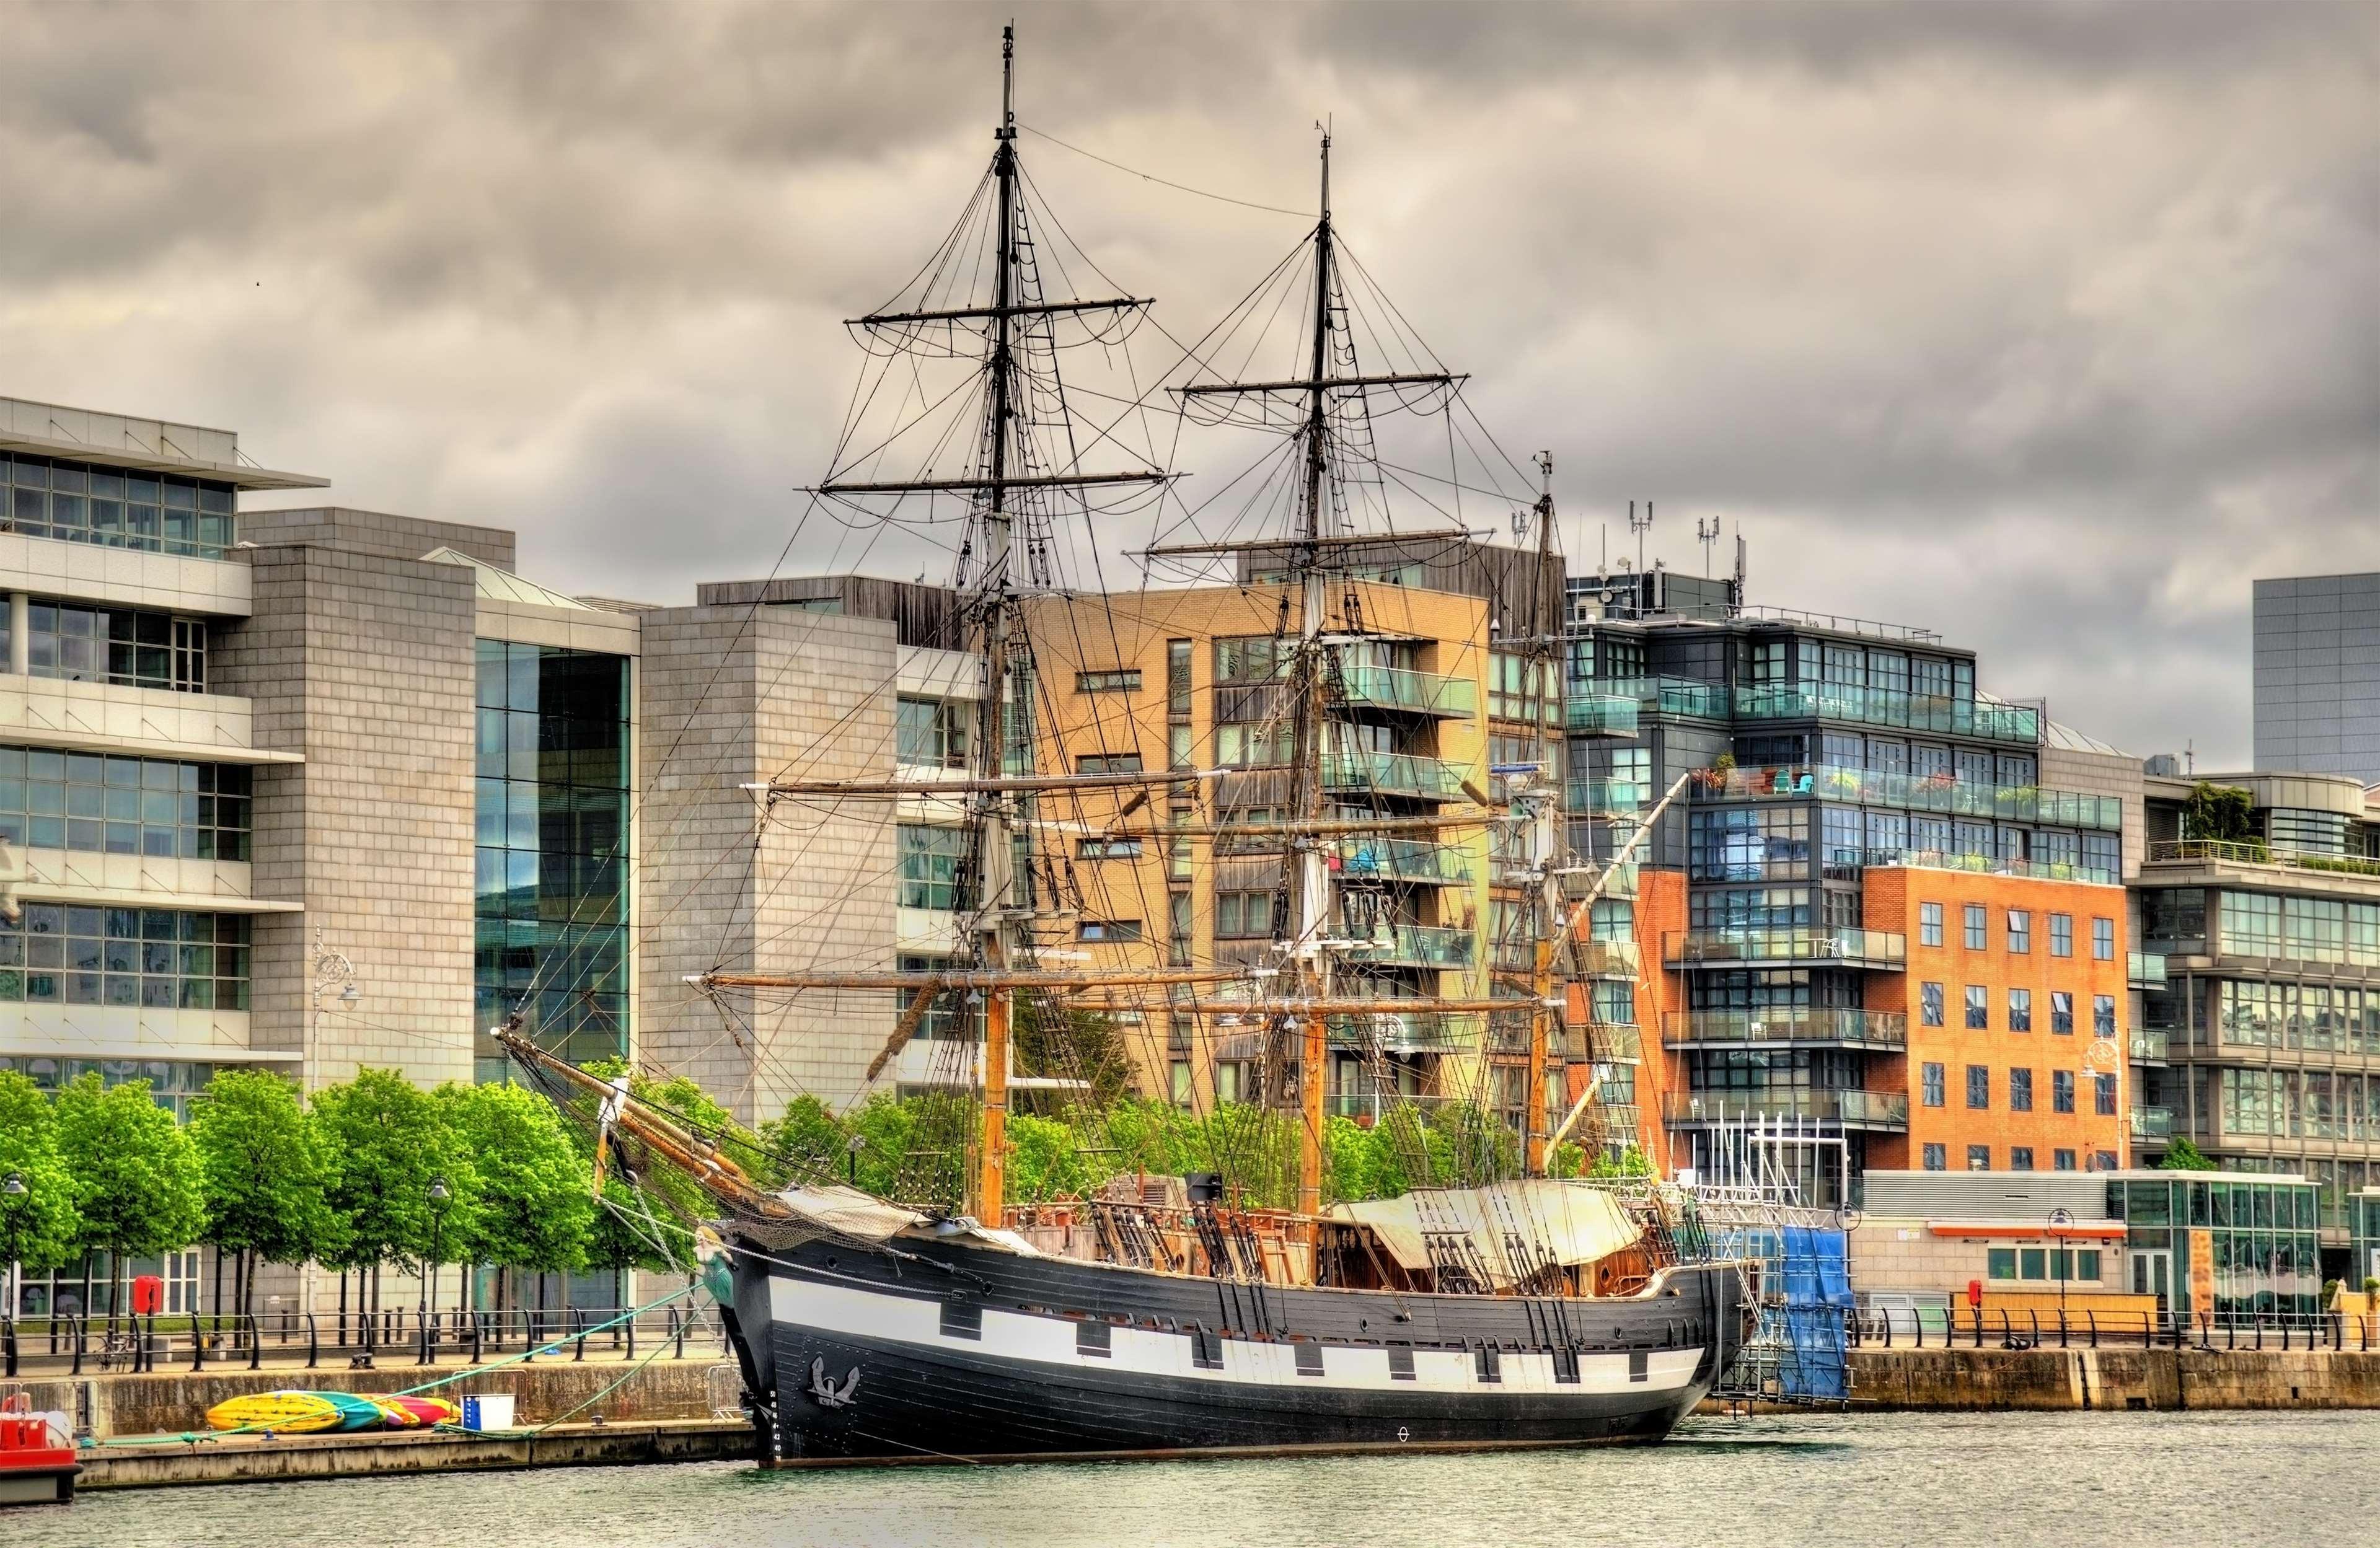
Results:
x,y
930,866
158,807
153,959
1749,843
553,884
77,503
933,733
131,648
2251,925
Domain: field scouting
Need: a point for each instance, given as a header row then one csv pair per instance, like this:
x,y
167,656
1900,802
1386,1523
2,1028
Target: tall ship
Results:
x,y
1496,1297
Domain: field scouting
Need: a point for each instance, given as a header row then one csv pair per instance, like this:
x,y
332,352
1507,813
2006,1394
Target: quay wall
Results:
x,y
171,1402
1969,1380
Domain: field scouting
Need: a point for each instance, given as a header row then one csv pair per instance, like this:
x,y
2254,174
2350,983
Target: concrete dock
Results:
x,y
167,1461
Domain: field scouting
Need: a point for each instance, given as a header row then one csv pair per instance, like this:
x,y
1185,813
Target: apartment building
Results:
x,y
2261,1026
2317,674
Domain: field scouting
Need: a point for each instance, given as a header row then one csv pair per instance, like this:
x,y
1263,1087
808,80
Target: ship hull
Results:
x,y
962,1351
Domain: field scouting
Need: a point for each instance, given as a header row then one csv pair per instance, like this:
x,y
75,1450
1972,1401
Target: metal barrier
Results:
x,y
73,1344
1906,1326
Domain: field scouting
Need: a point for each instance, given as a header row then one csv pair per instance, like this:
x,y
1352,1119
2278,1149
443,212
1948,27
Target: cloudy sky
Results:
x,y
2044,327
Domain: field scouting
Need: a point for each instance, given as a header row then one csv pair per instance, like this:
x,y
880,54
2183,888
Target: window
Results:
x,y
2063,1161
930,866
1178,942
1177,749
2061,1091
2061,1012
1979,1008
77,503
1977,927
2021,1099
1177,679
118,806
1108,762
126,647
1126,680
2103,1015
1107,848
1178,1080
1253,659
2103,939
1929,999
2020,931
1979,1158
2103,1160
2106,1095
1937,1158
1935,1096
2020,1158
158,959
933,733
1244,916
1979,1087
2000,1263
1110,930
1929,923
2019,1011
2061,935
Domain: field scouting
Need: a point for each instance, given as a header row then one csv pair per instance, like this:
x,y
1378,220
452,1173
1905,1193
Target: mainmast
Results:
x,y
1312,904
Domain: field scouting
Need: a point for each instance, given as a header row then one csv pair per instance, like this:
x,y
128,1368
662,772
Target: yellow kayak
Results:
x,y
286,1413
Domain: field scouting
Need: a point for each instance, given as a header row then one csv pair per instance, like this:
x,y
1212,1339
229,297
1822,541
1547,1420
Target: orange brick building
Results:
x,y
2014,996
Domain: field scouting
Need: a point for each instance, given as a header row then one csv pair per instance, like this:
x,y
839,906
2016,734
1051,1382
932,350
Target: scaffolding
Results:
x,y
1792,1258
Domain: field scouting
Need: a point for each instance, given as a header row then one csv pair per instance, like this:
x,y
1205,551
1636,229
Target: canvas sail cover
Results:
x,y
1512,1227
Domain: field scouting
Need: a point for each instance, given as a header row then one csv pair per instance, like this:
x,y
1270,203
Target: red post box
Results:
x,y
147,1295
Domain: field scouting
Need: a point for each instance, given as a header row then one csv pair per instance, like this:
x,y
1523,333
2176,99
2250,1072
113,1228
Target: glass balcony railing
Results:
x,y
1424,693
1577,882
2151,1045
1610,714
1423,946
1885,1029
1609,959
1666,696
1581,797
1853,947
2256,853
1908,792
1392,774
1878,707
1403,860
1862,1109
2147,970
2152,1123
1844,865
1391,1030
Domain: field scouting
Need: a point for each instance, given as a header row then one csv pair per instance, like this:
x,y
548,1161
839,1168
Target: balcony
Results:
x,y
2151,1045
2152,1123
1878,707
1668,695
1605,797
1421,946
1908,792
1403,860
1600,714
1390,1030
2256,853
2146,970
1358,773
1786,1026
1845,947
1609,959
1852,1110
1844,865
1577,883
1414,692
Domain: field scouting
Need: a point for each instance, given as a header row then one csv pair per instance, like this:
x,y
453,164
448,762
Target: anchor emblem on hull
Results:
x,y
822,1386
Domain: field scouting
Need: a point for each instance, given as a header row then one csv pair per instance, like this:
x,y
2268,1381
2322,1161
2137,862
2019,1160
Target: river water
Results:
x,y
2010,1480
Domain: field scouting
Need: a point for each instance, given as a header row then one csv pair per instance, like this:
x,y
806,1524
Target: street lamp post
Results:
x,y
2060,1219
438,1200
13,1191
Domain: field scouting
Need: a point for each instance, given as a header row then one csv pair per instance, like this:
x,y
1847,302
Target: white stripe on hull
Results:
x,y
852,1312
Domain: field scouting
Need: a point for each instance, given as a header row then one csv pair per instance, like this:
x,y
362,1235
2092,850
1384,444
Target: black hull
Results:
x,y
962,1351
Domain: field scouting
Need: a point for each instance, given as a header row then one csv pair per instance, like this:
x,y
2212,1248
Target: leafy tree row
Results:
x,y
373,1172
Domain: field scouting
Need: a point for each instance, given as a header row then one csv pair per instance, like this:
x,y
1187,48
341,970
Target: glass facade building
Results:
x,y
551,890
2256,1237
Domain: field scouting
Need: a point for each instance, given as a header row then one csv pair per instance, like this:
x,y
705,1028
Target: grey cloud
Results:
x,y
2045,325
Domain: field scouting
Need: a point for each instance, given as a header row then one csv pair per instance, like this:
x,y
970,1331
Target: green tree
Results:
x,y
388,1140
1070,1045
533,1205
808,1141
2222,813
40,1227
2180,1156
261,1173
136,1174
1044,1161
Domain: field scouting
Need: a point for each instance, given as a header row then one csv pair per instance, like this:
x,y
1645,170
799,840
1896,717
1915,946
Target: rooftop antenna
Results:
x,y
1706,534
1640,528
2190,757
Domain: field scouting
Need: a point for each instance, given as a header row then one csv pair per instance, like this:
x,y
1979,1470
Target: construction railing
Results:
x,y
77,1346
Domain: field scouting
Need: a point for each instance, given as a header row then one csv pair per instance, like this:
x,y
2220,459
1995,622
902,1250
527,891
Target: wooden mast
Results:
x,y
1312,898
1543,806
